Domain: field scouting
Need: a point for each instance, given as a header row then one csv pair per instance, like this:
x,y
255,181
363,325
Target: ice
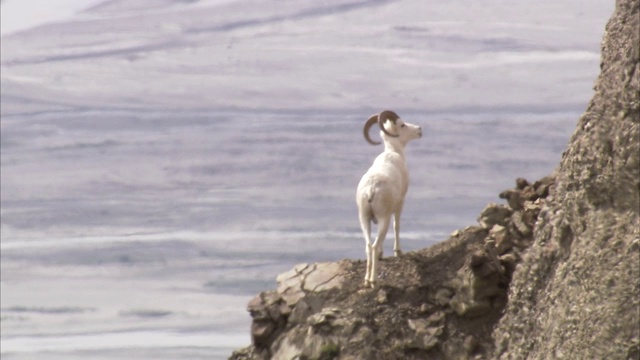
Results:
x,y
19,15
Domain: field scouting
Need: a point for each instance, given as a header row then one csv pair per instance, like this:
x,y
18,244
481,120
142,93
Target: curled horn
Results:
x,y
387,115
372,120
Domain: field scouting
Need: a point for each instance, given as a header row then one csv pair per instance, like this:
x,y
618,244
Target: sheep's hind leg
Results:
x,y
380,253
365,225
396,229
377,249
367,275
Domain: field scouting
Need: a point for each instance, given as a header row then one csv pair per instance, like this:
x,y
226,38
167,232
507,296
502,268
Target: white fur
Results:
x,y
382,190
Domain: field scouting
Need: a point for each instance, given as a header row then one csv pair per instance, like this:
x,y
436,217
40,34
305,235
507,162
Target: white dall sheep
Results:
x,y
382,189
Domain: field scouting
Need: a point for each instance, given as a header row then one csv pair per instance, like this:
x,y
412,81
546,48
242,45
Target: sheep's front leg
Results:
x,y
396,229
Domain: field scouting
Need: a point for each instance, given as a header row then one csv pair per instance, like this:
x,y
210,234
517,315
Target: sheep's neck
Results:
x,y
394,146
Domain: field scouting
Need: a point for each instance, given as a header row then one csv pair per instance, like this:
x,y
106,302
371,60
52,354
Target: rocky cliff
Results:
x,y
553,272
576,293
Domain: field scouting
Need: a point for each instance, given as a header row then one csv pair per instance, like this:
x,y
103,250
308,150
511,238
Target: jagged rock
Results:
x,y
514,199
429,341
435,330
479,282
382,297
426,336
424,342
470,308
266,309
532,211
494,214
261,331
419,325
321,336
262,306
247,353
523,228
543,185
424,308
500,235
310,347
528,193
464,304
443,296
521,183
325,317
436,317
271,310
508,262
484,263
362,335
304,308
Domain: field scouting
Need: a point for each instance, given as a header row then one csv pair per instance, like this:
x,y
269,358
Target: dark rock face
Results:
x,y
552,274
576,293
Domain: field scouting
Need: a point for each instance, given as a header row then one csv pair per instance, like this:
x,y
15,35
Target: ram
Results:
x,y
383,187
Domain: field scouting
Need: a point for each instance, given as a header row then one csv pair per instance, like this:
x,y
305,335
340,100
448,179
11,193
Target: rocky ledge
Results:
x,y
438,303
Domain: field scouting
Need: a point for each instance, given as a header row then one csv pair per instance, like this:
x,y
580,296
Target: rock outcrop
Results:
x,y
554,272
436,303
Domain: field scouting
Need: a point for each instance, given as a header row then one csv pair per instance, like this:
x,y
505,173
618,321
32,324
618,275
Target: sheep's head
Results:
x,y
392,126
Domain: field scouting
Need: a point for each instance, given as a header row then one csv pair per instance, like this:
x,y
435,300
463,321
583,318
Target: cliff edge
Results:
x,y
553,272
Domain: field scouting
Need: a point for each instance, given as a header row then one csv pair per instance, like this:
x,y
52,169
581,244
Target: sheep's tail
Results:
x,y
370,195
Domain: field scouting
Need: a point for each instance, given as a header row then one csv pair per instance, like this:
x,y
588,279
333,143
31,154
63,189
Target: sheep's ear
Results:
x,y
383,117
391,122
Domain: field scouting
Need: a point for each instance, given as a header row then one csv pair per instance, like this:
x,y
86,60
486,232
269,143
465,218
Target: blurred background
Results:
x,y
163,160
